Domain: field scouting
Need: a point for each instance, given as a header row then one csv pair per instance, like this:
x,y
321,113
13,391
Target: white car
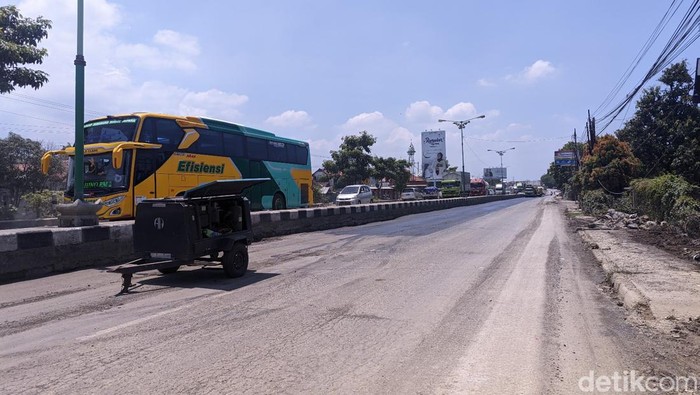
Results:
x,y
354,194
411,194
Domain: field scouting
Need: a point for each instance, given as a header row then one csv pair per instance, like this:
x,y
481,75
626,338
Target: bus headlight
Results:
x,y
113,201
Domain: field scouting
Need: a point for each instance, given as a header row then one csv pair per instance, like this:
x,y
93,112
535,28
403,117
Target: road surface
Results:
x,y
495,298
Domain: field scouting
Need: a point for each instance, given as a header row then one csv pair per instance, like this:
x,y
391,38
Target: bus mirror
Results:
x,y
117,158
45,162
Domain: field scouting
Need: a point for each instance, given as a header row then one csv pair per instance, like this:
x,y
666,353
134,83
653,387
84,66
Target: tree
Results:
x,y
20,167
394,170
664,133
611,166
19,37
548,181
352,163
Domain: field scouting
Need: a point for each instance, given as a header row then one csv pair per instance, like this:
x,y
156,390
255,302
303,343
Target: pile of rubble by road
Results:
x,y
617,219
661,233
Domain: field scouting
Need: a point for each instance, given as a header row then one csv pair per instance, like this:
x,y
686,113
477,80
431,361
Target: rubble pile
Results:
x,y
614,219
669,236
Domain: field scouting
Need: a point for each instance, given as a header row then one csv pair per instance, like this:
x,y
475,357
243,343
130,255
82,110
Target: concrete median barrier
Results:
x,y
33,252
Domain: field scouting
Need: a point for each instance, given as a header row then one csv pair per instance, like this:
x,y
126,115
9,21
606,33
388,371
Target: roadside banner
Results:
x,y
495,172
565,158
433,151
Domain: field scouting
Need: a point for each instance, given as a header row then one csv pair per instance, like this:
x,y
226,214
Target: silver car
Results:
x,y
354,194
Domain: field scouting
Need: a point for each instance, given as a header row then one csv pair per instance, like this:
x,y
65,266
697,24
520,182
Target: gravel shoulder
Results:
x,y
650,270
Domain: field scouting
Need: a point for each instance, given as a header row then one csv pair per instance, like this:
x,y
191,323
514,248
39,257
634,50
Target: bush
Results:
x,y
42,204
596,202
686,214
657,197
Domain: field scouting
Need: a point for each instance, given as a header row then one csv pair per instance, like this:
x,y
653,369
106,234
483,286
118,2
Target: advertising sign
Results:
x,y
565,158
433,151
495,172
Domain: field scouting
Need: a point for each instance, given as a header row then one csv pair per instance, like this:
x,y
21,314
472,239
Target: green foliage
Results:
x,y
20,167
42,203
665,130
611,166
596,202
548,181
352,163
658,197
392,169
686,214
19,37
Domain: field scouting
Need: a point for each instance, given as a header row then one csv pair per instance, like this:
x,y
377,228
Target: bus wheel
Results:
x,y
169,270
235,261
278,202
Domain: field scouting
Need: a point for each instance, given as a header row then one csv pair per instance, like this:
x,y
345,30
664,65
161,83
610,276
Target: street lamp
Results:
x,y
500,153
461,125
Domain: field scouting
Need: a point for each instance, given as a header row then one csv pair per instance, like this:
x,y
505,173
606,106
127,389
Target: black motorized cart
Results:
x,y
209,224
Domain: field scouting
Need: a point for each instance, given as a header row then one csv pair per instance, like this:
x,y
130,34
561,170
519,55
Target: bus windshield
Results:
x,y
110,130
100,177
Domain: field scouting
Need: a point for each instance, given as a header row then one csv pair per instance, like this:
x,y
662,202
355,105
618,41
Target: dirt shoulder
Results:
x,y
651,269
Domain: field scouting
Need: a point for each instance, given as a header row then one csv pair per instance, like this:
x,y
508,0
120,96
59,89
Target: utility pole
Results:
x,y
460,125
576,149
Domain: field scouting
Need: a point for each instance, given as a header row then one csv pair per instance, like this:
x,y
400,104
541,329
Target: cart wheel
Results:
x,y
235,261
169,270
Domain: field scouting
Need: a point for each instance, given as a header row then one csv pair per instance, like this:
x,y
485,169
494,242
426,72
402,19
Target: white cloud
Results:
x,y
213,103
485,83
291,119
533,73
172,51
461,111
183,43
423,112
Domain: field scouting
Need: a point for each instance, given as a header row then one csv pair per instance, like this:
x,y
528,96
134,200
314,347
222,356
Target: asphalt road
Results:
x,y
495,298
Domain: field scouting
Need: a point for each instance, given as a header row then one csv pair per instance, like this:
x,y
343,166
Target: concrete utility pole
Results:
x,y
500,153
79,109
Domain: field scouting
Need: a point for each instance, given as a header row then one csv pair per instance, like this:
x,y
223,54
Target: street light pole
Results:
x,y
460,125
500,153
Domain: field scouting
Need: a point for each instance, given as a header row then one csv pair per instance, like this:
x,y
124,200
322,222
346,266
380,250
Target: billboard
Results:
x,y
495,172
565,158
433,151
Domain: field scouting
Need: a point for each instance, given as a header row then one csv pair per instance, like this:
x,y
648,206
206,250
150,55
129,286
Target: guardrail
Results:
x,y
27,253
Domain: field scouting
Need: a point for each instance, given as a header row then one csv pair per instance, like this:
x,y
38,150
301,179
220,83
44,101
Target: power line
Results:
x,y
642,52
37,118
685,34
46,103
520,141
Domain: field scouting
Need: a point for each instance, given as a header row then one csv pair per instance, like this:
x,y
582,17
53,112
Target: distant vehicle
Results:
x,y
450,188
479,187
530,190
519,187
498,189
432,193
411,194
540,191
354,194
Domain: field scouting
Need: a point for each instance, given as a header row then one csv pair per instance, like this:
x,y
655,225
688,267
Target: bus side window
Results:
x,y
234,145
162,131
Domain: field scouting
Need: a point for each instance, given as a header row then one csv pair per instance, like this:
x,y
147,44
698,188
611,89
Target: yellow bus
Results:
x,y
132,157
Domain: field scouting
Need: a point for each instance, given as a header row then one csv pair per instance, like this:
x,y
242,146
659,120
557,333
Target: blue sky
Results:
x,y
319,70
